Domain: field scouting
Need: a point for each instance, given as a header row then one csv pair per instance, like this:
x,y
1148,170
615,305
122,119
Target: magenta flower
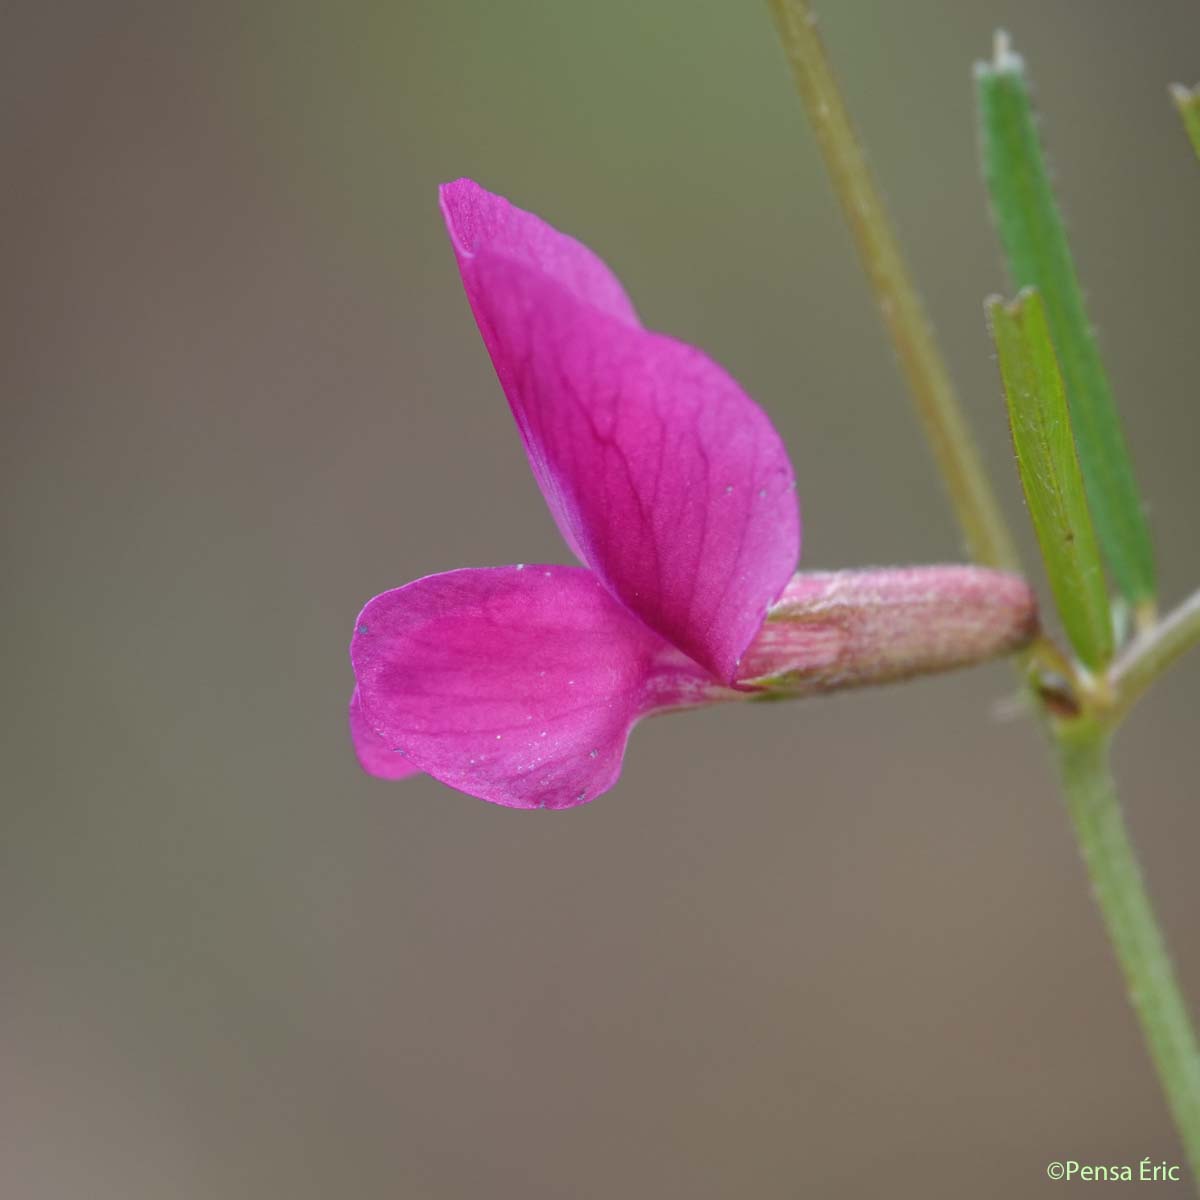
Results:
x,y
521,684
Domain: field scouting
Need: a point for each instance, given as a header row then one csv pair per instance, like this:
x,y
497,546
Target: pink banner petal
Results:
x,y
662,474
476,220
518,685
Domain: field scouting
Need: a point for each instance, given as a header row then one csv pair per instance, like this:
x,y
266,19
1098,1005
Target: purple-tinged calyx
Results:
x,y
841,629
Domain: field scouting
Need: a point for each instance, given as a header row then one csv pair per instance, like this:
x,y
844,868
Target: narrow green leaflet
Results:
x,y
1035,244
1187,100
1050,474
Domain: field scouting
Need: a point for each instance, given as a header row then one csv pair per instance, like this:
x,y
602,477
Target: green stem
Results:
x,y
1132,928
1154,651
1082,742
986,532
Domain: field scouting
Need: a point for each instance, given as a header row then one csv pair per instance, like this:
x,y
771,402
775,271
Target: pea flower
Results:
x,y
520,684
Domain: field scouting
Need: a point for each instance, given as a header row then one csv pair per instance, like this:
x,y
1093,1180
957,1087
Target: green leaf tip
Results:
x,y
1005,59
1040,420
1187,100
1038,255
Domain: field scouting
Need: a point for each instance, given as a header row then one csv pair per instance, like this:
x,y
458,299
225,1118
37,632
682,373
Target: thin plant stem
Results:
x,y
1129,918
987,535
1150,654
1082,741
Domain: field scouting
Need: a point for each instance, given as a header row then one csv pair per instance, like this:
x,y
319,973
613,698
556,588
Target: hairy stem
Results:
x,y
984,528
1117,883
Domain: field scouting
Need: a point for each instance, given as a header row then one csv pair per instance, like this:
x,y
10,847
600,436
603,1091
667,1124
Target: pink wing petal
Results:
x,y
515,684
375,756
662,474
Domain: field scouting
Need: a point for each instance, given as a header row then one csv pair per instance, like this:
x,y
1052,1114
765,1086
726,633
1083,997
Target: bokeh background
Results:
x,y
834,948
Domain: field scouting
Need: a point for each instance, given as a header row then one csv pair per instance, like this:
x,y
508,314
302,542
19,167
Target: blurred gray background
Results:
x,y
831,948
